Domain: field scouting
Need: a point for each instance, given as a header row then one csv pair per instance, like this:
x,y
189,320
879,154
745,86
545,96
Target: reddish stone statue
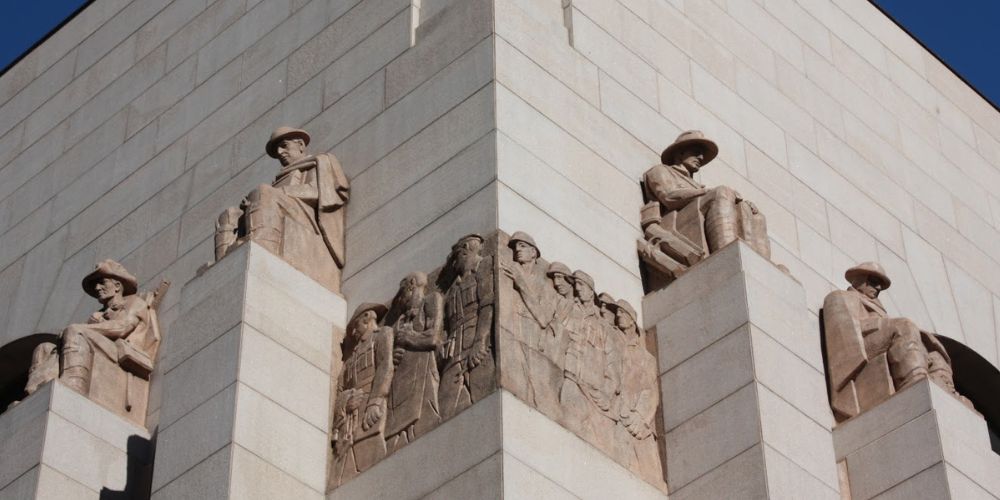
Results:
x,y
110,357
871,356
300,216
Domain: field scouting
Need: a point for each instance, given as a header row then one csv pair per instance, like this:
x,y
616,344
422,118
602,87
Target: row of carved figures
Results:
x,y
576,355
417,362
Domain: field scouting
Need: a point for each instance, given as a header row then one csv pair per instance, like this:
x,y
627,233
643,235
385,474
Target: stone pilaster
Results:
x,y
920,443
58,444
247,383
744,399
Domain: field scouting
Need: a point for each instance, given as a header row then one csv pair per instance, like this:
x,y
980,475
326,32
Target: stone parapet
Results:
x,y
745,411
58,444
920,443
247,383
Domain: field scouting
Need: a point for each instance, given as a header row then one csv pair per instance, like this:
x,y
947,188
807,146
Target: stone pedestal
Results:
x,y
58,444
920,443
744,399
247,383
497,448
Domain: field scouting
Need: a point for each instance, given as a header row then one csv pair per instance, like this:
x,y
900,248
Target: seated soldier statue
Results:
x,y
684,221
110,357
299,217
871,356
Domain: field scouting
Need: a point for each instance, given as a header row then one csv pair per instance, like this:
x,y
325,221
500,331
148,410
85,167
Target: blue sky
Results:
x,y
24,22
963,33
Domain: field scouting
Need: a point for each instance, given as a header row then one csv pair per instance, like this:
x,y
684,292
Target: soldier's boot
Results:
x,y
907,361
44,366
77,358
226,231
940,372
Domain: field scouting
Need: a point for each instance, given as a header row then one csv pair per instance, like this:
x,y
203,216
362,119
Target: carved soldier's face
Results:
x,y
583,291
411,290
290,150
604,304
524,252
107,289
467,256
869,286
562,284
692,158
623,321
366,323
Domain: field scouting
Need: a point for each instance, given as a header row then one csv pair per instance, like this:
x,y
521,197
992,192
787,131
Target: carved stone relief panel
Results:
x,y
110,357
417,361
300,216
871,356
578,356
684,221
496,314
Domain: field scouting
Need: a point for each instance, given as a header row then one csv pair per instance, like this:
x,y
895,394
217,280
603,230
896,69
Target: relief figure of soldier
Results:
x,y
417,316
589,383
635,406
362,394
468,372
527,370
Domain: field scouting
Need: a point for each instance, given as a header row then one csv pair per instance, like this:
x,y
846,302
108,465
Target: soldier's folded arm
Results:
x,y
305,192
117,328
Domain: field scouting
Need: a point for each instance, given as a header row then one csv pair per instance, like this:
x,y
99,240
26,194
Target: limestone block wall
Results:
x,y
129,130
854,141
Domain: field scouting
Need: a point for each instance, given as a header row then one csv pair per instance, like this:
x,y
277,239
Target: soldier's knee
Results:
x,y
229,217
724,193
905,327
42,351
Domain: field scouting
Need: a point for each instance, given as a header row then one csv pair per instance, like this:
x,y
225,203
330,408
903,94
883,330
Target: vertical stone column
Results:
x,y
744,399
58,444
920,443
247,383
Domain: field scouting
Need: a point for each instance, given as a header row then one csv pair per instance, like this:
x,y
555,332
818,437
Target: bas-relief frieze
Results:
x,y
871,356
421,359
110,357
496,315
578,356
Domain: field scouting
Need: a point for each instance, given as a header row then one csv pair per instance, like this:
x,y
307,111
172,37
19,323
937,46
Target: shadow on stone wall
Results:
x,y
139,479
